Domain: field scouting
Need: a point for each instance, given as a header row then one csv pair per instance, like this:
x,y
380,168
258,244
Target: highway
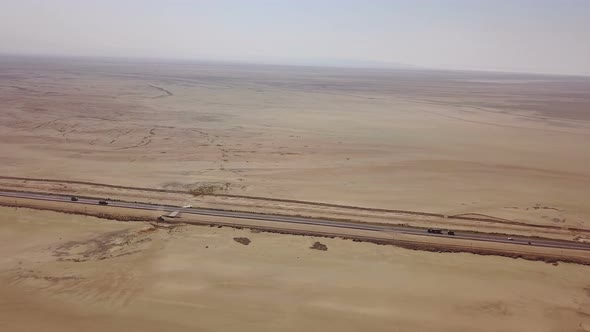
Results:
x,y
464,235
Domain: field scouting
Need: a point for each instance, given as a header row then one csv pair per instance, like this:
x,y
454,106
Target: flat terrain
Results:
x,y
468,151
99,275
447,142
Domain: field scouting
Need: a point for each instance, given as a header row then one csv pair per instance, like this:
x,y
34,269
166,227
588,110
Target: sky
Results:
x,y
539,36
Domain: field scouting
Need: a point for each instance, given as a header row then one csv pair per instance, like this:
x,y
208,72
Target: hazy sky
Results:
x,y
518,35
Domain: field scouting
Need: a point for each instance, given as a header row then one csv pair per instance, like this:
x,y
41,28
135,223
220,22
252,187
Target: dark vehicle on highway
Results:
x,y
451,233
74,199
435,231
103,202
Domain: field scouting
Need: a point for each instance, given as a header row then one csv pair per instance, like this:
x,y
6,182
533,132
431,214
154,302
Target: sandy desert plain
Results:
x,y
512,148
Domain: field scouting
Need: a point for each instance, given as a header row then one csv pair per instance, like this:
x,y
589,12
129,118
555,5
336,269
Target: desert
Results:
x,y
504,154
69,272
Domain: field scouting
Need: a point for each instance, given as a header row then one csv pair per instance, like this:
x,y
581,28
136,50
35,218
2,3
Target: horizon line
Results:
x,y
291,63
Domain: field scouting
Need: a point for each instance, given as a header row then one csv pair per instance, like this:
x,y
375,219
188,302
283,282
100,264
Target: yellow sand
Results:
x,y
416,140
70,273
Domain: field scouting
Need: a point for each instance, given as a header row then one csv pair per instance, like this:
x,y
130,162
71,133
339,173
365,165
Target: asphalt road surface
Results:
x,y
473,236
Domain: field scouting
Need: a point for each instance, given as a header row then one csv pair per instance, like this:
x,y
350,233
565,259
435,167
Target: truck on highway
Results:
x,y
103,202
440,231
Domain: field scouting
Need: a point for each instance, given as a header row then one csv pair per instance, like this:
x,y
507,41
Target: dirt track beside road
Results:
x,y
474,222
